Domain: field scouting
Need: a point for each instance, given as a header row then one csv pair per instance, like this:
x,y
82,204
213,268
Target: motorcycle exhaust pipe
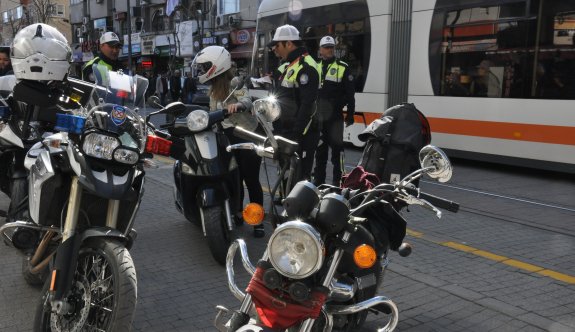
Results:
x,y
364,305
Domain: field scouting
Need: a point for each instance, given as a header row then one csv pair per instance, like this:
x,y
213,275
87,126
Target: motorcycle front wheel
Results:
x,y
103,293
217,234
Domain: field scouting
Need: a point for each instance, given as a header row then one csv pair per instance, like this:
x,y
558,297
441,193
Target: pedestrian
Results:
x,y
176,85
162,88
337,90
110,47
297,91
151,86
5,64
189,88
216,64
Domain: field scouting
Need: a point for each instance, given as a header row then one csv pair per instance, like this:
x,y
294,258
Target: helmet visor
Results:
x,y
52,49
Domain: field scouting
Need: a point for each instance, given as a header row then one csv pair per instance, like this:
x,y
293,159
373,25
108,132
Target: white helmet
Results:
x,y
211,62
284,33
40,53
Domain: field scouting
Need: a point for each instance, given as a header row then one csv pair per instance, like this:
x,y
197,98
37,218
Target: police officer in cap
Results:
x,y
296,91
110,47
337,91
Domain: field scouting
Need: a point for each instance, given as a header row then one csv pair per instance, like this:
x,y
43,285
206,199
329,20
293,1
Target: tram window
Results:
x,y
508,49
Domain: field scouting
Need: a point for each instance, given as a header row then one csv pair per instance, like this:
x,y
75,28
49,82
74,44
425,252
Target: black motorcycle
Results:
x,y
206,176
27,112
323,266
86,184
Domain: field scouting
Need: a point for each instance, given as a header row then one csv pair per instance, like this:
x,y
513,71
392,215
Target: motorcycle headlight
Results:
x,y
296,250
198,120
100,146
126,156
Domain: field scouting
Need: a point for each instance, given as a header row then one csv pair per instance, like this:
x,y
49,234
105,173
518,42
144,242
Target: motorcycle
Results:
x,y
206,176
324,263
86,184
13,175
22,124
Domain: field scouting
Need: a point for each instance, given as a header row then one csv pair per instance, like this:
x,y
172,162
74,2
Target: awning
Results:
x,y
242,52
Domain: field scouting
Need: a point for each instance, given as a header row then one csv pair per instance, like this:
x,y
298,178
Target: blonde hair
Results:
x,y
221,86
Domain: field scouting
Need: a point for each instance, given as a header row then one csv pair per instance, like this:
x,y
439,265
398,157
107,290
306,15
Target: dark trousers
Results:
x,y
331,137
331,124
249,165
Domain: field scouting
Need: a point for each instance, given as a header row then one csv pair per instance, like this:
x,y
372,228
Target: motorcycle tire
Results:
x,y
217,234
18,208
107,266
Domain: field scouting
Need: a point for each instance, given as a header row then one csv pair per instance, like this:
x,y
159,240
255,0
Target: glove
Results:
x,y
349,120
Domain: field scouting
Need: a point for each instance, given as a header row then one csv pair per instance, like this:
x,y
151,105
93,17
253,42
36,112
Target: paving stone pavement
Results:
x,y
437,288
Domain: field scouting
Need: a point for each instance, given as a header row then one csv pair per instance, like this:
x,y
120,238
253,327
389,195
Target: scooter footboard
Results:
x,y
248,266
364,305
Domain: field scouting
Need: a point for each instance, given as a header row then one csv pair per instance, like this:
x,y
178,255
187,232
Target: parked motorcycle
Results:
x,y
86,184
23,122
206,176
13,175
322,268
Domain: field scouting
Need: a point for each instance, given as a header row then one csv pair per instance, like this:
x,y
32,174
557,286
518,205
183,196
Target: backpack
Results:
x,y
393,143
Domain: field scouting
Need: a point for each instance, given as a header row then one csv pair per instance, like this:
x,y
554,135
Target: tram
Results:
x,y
496,78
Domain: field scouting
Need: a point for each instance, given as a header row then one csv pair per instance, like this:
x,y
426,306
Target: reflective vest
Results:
x,y
99,61
290,73
334,72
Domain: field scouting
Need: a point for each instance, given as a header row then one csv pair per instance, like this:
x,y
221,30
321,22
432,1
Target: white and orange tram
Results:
x,y
496,78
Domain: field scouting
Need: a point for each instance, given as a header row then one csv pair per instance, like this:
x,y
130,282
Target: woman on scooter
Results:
x,y
223,83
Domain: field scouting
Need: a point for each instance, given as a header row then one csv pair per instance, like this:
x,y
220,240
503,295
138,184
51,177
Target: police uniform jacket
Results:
x,y
337,85
297,93
101,59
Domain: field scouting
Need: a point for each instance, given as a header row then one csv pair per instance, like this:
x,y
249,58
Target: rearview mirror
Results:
x,y
268,107
434,159
154,101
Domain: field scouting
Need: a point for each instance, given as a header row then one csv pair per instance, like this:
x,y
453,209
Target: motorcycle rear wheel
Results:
x,y
217,234
106,276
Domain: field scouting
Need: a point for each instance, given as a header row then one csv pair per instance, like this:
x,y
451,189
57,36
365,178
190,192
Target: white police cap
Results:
x,y
327,41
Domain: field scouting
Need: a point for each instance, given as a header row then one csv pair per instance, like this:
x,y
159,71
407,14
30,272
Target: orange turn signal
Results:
x,y
364,256
253,214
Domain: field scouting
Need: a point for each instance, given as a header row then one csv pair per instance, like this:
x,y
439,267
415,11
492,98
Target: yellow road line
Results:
x,y
498,258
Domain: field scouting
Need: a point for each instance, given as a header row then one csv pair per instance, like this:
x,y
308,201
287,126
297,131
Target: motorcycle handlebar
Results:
x,y
250,136
439,202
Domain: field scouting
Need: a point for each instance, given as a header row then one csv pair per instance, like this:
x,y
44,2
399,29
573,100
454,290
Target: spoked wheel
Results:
x,y
102,296
217,233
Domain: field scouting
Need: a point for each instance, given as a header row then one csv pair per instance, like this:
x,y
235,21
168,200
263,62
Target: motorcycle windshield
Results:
x,y
119,95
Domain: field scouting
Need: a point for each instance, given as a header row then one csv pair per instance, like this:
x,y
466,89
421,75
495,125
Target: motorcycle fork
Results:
x,y
67,252
308,323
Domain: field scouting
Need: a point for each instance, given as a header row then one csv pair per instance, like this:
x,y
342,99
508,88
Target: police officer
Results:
x,y
297,89
110,46
337,91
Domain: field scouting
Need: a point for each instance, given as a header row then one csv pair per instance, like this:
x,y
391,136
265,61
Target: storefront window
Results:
x,y
507,49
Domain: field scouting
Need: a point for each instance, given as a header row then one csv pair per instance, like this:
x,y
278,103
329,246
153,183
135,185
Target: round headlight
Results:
x,y
198,120
296,250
